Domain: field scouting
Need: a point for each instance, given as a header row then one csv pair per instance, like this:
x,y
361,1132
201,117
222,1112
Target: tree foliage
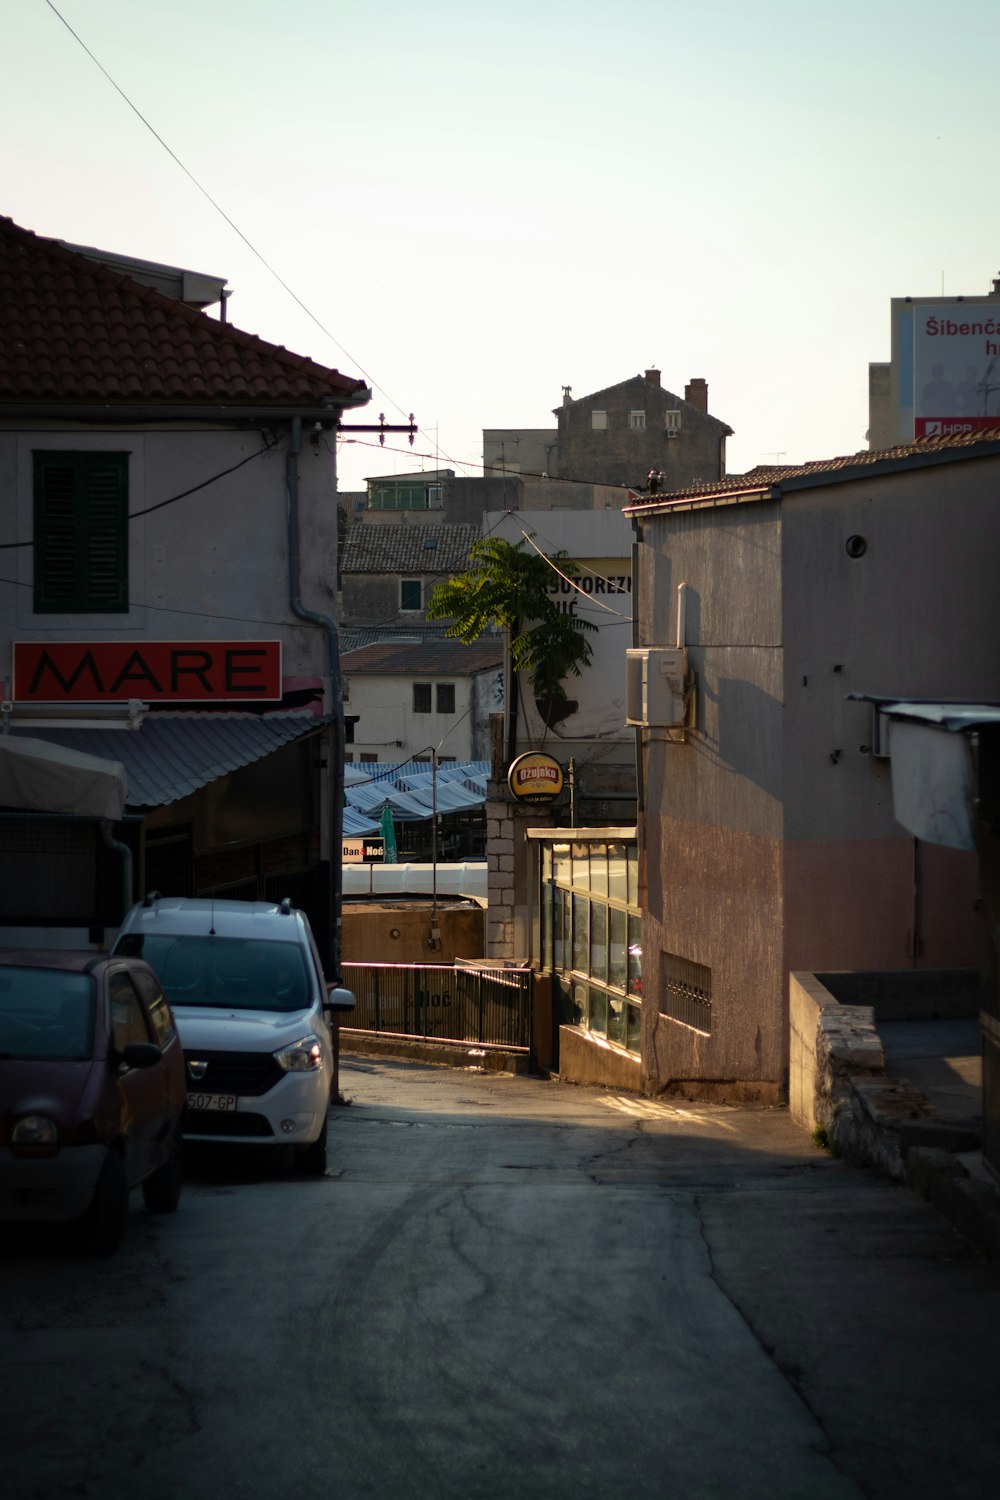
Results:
x,y
507,588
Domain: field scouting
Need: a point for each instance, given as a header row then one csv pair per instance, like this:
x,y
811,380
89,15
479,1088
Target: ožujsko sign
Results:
x,y
153,671
535,777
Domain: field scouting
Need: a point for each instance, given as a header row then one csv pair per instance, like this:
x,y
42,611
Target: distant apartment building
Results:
x,y
613,439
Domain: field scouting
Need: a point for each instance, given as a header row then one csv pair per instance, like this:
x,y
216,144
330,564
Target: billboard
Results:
x,y
956,366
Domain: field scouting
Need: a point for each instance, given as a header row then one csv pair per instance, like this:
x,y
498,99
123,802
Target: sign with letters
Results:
x,y
535,777
152,671
366,851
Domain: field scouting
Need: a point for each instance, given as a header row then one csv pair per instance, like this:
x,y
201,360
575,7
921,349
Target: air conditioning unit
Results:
x,y
656,687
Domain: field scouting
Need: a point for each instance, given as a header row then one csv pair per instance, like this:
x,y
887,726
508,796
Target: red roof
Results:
x,y
758,481
73,331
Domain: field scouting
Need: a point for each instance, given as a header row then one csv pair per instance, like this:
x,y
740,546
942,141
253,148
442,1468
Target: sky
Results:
x,y
471,206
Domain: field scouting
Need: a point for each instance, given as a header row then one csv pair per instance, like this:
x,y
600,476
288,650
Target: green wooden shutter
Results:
x,y
81,533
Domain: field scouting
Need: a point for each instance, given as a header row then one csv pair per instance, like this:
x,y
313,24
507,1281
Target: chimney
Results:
x,y
696,394
567,396
653,376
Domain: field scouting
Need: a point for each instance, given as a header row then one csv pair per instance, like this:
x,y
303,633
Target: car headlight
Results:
x,y
303,1056
37,1131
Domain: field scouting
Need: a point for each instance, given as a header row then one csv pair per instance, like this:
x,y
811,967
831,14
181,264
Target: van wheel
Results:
x,y
310,1161
99,1230
161,1192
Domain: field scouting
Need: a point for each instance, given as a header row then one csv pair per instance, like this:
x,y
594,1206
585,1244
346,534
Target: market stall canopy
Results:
x,y
410,792
39,776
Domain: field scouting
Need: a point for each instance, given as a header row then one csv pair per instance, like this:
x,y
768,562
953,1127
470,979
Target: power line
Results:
x,y
172,500
221,211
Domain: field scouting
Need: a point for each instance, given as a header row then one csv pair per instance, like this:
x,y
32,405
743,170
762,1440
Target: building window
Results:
x,y
637,421
410,595
349,722
81,533
599,421
417,496
421,697
446,697
672,421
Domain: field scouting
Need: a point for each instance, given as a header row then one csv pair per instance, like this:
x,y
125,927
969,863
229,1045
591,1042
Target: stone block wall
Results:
x,y
837,1082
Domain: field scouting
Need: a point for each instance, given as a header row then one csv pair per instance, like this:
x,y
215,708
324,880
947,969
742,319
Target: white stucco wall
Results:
x,y
211,566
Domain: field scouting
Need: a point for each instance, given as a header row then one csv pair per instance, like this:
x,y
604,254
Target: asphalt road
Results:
x,y
509,1288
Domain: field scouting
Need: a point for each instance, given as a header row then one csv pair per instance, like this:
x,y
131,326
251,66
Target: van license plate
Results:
x,y
212,1101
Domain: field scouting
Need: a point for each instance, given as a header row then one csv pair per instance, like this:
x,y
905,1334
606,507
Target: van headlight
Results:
x,y
303,1056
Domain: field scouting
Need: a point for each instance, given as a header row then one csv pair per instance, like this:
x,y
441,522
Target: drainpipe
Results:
x,y
640,786
126,853
332,641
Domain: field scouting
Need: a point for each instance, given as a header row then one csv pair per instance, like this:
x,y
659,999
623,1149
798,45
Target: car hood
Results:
x,y
226,1030
56,1089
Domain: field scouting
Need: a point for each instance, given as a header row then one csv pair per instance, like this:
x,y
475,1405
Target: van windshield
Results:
x,y
237,973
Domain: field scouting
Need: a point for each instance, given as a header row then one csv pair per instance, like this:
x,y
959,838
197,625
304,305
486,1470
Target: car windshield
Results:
x,y
244,973
46,1014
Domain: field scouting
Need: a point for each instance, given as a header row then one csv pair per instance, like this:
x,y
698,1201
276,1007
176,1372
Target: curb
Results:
x,y
488,1059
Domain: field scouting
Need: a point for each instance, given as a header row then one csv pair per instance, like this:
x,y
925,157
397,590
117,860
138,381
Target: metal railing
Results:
x,y
488,1006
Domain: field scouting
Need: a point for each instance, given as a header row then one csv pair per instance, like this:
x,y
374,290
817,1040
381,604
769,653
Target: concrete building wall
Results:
x,y
528,451
916,615
771,843
714,816
391,729
188,581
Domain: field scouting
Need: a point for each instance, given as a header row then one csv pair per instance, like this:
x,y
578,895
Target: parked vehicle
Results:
x,y
92,1093
246,984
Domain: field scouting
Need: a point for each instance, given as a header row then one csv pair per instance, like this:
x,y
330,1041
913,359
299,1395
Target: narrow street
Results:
x,y
510,1288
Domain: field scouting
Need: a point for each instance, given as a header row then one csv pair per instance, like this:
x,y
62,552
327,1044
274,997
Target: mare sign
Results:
x,y
153,671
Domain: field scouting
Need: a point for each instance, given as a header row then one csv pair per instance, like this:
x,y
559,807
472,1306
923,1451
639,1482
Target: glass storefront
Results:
x,y
591,932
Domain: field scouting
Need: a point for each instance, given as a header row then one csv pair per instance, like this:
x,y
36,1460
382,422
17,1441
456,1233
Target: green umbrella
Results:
x,y
389,834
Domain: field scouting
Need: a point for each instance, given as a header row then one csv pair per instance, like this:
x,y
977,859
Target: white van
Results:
x,y
246,987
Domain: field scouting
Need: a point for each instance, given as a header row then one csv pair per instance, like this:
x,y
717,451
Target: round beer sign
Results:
x,y
535,777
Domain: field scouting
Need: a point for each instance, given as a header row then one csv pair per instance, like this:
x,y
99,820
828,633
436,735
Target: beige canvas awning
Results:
x,y
39,776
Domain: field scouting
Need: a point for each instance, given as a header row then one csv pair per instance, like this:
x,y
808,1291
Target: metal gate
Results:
x,y
452,1004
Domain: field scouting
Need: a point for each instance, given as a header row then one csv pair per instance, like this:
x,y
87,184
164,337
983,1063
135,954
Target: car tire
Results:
x,y
100,1228
161,1192
310,1161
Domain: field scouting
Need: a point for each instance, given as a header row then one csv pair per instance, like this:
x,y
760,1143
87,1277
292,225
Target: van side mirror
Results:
x,y
338,999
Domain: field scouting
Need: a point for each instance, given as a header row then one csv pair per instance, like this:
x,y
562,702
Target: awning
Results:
x,y
409,790
38,776
171,757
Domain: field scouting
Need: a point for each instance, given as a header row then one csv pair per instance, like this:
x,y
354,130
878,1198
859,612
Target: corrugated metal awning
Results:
x,y
171,757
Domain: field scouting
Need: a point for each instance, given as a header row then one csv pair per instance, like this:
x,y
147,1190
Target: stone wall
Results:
x,y
837,1084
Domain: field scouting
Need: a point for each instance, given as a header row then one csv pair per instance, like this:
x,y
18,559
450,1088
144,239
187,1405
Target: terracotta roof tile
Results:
x,y
440,550
428,659
762,478
73,331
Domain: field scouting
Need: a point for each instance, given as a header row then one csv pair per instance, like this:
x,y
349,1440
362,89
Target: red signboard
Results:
x,y
153,671
949,426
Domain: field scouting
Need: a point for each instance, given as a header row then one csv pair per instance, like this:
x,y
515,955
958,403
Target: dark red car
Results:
x,y
92,1093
